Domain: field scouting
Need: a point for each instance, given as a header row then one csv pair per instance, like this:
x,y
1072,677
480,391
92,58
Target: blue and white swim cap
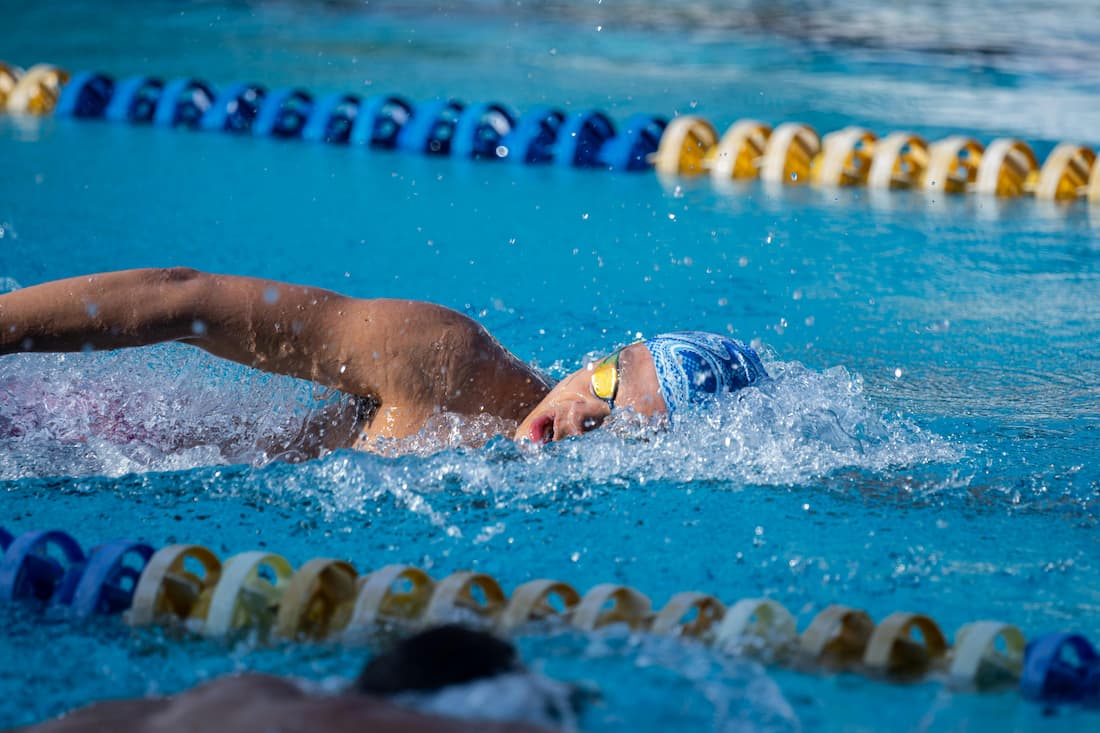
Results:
x,y
696,366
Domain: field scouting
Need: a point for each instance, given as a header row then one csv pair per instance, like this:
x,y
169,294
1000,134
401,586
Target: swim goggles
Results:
x,y
605,378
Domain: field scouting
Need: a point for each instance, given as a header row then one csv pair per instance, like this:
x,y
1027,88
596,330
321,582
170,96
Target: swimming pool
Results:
x,y
928,445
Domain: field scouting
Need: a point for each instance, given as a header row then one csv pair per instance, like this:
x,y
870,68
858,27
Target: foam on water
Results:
x,y
160,409
172,408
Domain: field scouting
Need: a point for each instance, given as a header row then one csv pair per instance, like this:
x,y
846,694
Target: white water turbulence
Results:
x,y
798,428
173,407
163,408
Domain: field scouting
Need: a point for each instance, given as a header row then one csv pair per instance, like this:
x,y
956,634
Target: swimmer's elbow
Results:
x,y
173,299
179,274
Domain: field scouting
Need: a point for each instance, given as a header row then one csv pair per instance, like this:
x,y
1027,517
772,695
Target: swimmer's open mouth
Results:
x,y
542,430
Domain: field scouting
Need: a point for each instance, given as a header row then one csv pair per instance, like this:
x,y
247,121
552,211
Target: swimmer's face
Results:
x,y
573,407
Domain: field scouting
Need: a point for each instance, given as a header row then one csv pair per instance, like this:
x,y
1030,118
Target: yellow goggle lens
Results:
x,y
605,378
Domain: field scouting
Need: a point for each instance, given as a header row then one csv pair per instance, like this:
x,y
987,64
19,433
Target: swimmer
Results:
x,y
405,361
418,686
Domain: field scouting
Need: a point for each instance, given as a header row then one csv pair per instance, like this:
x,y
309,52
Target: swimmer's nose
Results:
x,y
579,418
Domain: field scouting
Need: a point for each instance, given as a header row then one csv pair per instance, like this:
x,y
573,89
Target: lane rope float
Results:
x,y
261,595
687,146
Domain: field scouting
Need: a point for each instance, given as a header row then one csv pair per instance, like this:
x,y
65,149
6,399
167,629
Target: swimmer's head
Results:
x,y
666,375
461,672
695,367
439,657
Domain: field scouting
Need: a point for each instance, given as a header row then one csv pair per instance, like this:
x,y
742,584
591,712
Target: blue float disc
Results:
x,y
5,539
580,138
174,108
431,128
532,138
332,119
631,148
234,109
107,585
27,571
121,108
479,130
86,95
379,121
282,113
1048,676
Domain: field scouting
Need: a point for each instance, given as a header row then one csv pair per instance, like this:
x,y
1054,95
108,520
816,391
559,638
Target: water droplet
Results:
x,y
271,294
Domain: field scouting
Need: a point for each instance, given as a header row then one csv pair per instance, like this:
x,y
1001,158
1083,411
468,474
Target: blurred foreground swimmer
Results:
x,y
406,361
443,680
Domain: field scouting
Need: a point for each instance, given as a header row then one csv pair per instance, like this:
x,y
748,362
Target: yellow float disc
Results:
x,y
1094,185
243,597
628,606
845,158
531,602
977,663
899,161
318,600
9,76
837,637
953,164
759,623
684,145
37,90
740,152
789,154
383,598
167,588
455,593
1008,168
670,620
1065,173
893,651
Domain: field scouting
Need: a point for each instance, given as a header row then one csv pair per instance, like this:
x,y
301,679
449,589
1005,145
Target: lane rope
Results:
x,y
688,146
259,593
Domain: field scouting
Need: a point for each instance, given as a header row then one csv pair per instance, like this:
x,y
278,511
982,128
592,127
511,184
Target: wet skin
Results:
x,y
406,361
572,407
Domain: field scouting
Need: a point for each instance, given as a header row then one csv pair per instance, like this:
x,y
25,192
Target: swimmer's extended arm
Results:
x,y
413,354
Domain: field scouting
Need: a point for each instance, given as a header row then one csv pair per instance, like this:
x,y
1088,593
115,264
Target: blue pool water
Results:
x,y
928,443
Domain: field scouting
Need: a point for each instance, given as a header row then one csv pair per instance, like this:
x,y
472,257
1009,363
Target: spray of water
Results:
x,y
173,408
